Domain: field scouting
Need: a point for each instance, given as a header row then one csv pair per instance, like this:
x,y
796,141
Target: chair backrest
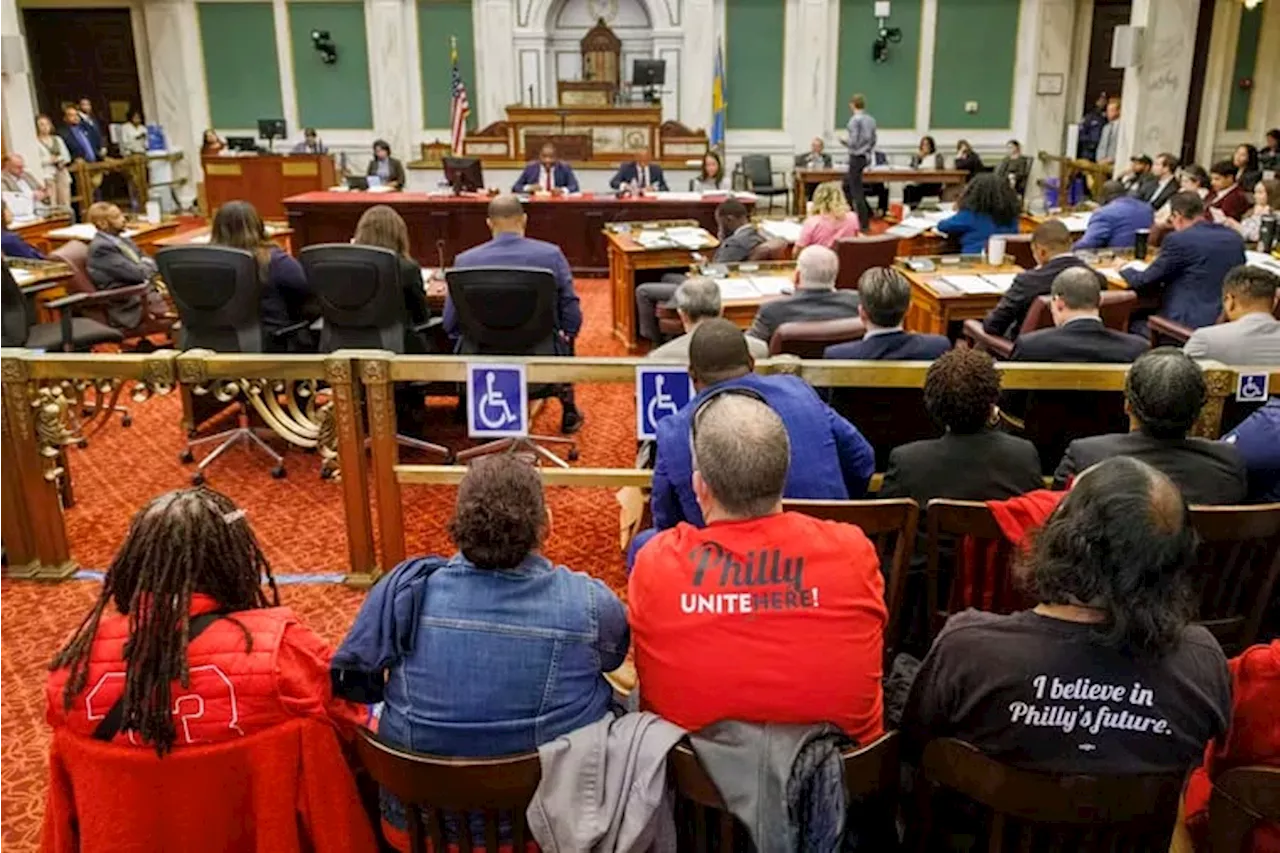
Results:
x,y
75,254
1054,419
886,417
15,322
432,787
1236,569
772,249
1039,315
891,525
1116,307
870,771
1019,246
808,338
861,253
218,293
1242,798
505,310
360,296
758,171
1049,811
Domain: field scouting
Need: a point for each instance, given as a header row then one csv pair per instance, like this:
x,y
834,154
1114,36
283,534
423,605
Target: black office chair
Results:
x,y
70,333
361,299
509,311
759,173
218,293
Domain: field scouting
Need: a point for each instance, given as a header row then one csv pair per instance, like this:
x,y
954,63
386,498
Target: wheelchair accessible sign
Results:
x,y
498,402
660,393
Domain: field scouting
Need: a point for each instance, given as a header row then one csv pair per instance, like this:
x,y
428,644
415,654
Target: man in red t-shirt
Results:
x,y
762,615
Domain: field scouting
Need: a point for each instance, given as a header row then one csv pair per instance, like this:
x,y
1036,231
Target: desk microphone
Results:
x,y
440,254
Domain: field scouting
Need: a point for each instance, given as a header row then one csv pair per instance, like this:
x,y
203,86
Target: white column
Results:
x,y
1050,54
15,92
808,97
284,55
702,34
924,82
496,83
177,72
1155,92
391,52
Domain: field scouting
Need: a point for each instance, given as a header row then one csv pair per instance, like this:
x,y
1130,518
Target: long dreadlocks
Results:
x,y
184,542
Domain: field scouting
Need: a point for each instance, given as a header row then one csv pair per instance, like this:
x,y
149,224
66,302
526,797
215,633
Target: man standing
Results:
x,y
1091,128
640,174
1251,334
92,126
861,142
510,248
1110,134
1079,335
546,174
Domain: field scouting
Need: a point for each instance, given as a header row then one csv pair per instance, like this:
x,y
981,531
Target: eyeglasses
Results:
x,y
708,401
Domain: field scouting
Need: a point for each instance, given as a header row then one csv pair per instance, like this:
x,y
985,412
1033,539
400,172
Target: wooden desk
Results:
x,y
442,226
34,232
263,180
34,276
145,234
626,258
935,305
279,233
803,179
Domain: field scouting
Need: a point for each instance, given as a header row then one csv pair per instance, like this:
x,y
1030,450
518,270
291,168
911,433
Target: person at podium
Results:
x,y
640,174
546,174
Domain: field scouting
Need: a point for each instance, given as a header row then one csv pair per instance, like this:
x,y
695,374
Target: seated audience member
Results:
x,y
831,219
510,248
1138,180
1164,171
12,245
116,261
1251,334
1257,440
1110,570
1190,268
925,158
1191,179
815,298
989,206
1115,225
697,299
884,296
738,236
973,460
640,174
1266,202
711,175
815,157
1269,156
829,457
1164,393
1079,335
529,639
967,160
387,169
1253,738
1051,247
211,143
1226,195
381,226
1015,168
16,179
311,143
716,640
1248,166
546,174
284,284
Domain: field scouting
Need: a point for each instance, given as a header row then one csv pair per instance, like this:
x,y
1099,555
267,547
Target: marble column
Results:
x,y
810,71
390,40
697,63
1051,55
1155,92
177,72
15,93
496,86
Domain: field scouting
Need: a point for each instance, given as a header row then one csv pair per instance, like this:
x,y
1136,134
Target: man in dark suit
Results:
x,y
1079,335
640,174
510,248
1165,172
81,144
546,174
816,297
116,261
93,126
1164,393
884,296
1051,247
815,157
1190,268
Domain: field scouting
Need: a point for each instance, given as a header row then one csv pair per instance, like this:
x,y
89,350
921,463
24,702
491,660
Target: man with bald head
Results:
x,y
762,616
815,298
510,248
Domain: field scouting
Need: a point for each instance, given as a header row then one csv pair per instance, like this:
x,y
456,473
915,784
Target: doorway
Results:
x,y
83,53
1101,77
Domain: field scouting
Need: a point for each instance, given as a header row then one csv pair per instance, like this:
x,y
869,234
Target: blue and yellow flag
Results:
x,y
718,103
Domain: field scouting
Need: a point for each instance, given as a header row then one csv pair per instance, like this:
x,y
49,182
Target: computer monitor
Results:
x,y
649,72
463,173
242,143
272,128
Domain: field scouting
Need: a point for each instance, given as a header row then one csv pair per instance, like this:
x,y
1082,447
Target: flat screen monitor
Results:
x,y
242,143
271,128
463,173
649,72
357,182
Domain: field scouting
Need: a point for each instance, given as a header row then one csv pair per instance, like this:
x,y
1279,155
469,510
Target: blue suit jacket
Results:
x,y
628,173
561,174
829,457
13,246
512,250
891,346
1190,269
1115,224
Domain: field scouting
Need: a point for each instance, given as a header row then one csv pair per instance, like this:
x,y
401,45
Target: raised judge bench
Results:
x,y
264,179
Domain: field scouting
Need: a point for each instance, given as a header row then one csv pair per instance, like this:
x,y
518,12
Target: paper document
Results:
x,y
82,231
1263,260
22,276
905,231
689,237
1000,280
1136,266
678,196
771,285
1076,222
782,229
651,239
970,283
736,288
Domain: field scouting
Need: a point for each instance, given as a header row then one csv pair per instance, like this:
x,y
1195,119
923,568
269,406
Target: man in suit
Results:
x,y
1189,270
1165,172
1225,194
1164,393
1079,335
510,248
93,126
1115,225
884,296
546,174
1138,179
816,297
16,179
698,299
1251,334
80,137
1051,247
116,261
640,174
1110,135
738,236
815,157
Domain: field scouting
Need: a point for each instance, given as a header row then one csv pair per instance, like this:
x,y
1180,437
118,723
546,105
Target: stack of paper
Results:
x,y
82,231
782,229
22,276
970,283
689,236
1001,281
651,239
1076,222
678,196
771,285
736,288
1263,260
914,226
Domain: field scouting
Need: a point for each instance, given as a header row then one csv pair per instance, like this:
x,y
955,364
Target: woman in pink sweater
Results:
x,y
831,219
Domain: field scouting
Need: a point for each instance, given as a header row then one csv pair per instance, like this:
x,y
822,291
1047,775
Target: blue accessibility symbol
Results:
x,y
660,393
497,405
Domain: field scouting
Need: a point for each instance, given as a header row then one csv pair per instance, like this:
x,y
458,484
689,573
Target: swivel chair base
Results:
x,y
241,433
528,444
426,446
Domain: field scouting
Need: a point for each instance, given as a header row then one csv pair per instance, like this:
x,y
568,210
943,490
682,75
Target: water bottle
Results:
x,y
1267,233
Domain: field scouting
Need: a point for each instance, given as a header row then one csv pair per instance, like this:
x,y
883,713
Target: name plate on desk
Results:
x,y
230,170
299,168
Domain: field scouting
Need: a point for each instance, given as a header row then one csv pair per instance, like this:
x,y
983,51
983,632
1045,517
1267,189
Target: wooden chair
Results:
x,y
1236,569
891,526
870,771
1032,811
1019,246
861,253
1115,308
1242,798
810,338
431,787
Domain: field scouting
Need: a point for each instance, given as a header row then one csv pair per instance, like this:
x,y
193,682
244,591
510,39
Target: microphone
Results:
x,y
440,254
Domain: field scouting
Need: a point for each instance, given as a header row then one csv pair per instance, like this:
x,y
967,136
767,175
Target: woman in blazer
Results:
x,y
388,170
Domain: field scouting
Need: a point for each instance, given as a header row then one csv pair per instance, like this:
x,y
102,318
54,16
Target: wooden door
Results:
x,y
84,53
1107,15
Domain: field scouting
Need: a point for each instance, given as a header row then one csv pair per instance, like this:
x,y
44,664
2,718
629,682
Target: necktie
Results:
x,y
644,176
547,172
127,249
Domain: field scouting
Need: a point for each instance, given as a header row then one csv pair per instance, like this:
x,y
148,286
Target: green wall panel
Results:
x,y
890,87
331,96
754,39
1246,64
973,60
437,21
238,41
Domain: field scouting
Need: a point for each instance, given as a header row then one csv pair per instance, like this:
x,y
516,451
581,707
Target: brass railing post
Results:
x,y
339,372
375,374
1220,383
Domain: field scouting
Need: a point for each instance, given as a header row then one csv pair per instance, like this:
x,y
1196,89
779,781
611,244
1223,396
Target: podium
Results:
x,y
265,180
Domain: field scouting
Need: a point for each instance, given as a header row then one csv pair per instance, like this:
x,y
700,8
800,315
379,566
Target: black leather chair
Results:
x,y
758,174
70,333
509,311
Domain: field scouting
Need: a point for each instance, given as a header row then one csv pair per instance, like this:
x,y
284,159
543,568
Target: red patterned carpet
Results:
x,y
299,521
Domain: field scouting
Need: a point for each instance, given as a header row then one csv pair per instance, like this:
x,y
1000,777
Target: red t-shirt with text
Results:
x,y
777,619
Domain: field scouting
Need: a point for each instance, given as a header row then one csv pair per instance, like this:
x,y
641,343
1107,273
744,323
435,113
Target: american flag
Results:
x,y
461,108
